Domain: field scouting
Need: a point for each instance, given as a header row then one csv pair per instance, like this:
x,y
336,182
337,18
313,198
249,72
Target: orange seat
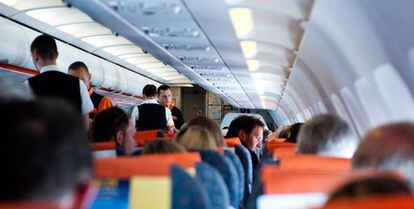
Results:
x,y
276,181
153,164
231,142
278,143
284,152
100,146
383,202
314,163
142,137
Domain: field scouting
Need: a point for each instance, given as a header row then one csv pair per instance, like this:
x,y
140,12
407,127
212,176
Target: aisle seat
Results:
x,y
103,149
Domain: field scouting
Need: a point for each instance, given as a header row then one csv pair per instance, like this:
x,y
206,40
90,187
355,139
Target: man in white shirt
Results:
x,y
53,82
151,115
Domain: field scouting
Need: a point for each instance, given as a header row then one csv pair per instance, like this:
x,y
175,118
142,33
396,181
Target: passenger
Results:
x,y
293,132
250,131
53,82
80,70
327,135
151,115
11,90
165,99
371,186
196,138
388,147
211,126
163,146
283,132
113,124
46,155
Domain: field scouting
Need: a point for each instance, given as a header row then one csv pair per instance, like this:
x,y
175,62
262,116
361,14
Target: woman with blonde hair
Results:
x,y
211,126
196,137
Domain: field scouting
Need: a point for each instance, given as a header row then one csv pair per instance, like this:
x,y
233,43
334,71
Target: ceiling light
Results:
x,y
141,60
150,65
249,48
253,65
106,40
242,19
59,16
9,2
80,30
26,5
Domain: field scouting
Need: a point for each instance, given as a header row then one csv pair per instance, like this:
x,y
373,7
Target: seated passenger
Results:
x,y
45,157
196,138
327,135
81,71
151,115
113,124
388,147
211,126
162,146
371,186
250,131
293,132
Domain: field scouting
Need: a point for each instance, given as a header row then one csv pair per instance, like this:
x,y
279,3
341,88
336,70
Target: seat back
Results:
x,y
31,205
314,163
188,193
240,171
246,161
231,142
212,180
140,182
101,146
226,169
143,137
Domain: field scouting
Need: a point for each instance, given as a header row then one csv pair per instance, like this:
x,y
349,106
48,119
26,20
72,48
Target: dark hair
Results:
x,y
211,126
293,132
107,123
78,66
163,88
149,90
45,46
162,146
371,186
245,123
46,151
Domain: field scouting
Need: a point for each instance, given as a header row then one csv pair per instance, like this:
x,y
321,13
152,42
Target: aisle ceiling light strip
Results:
x,y
79,25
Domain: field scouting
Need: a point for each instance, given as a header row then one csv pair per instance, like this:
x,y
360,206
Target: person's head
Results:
x,y
388,147
292,132
327,135
163,146
80,70
46,153
164,95
249,129
113,124
371,186
149,91
211,126
196,137
44,51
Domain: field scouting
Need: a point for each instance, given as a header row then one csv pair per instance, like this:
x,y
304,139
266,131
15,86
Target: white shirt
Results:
x,y
86,101
168,115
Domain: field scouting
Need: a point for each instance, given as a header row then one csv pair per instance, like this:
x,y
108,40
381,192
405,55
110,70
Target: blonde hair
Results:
x,y
163,146
196,137
210,125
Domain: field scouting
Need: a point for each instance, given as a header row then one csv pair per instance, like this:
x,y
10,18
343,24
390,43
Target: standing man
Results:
x,y
53,82
151,115
165,99
80,70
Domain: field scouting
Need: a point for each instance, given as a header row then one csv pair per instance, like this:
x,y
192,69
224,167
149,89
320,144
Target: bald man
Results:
x,y
388,147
